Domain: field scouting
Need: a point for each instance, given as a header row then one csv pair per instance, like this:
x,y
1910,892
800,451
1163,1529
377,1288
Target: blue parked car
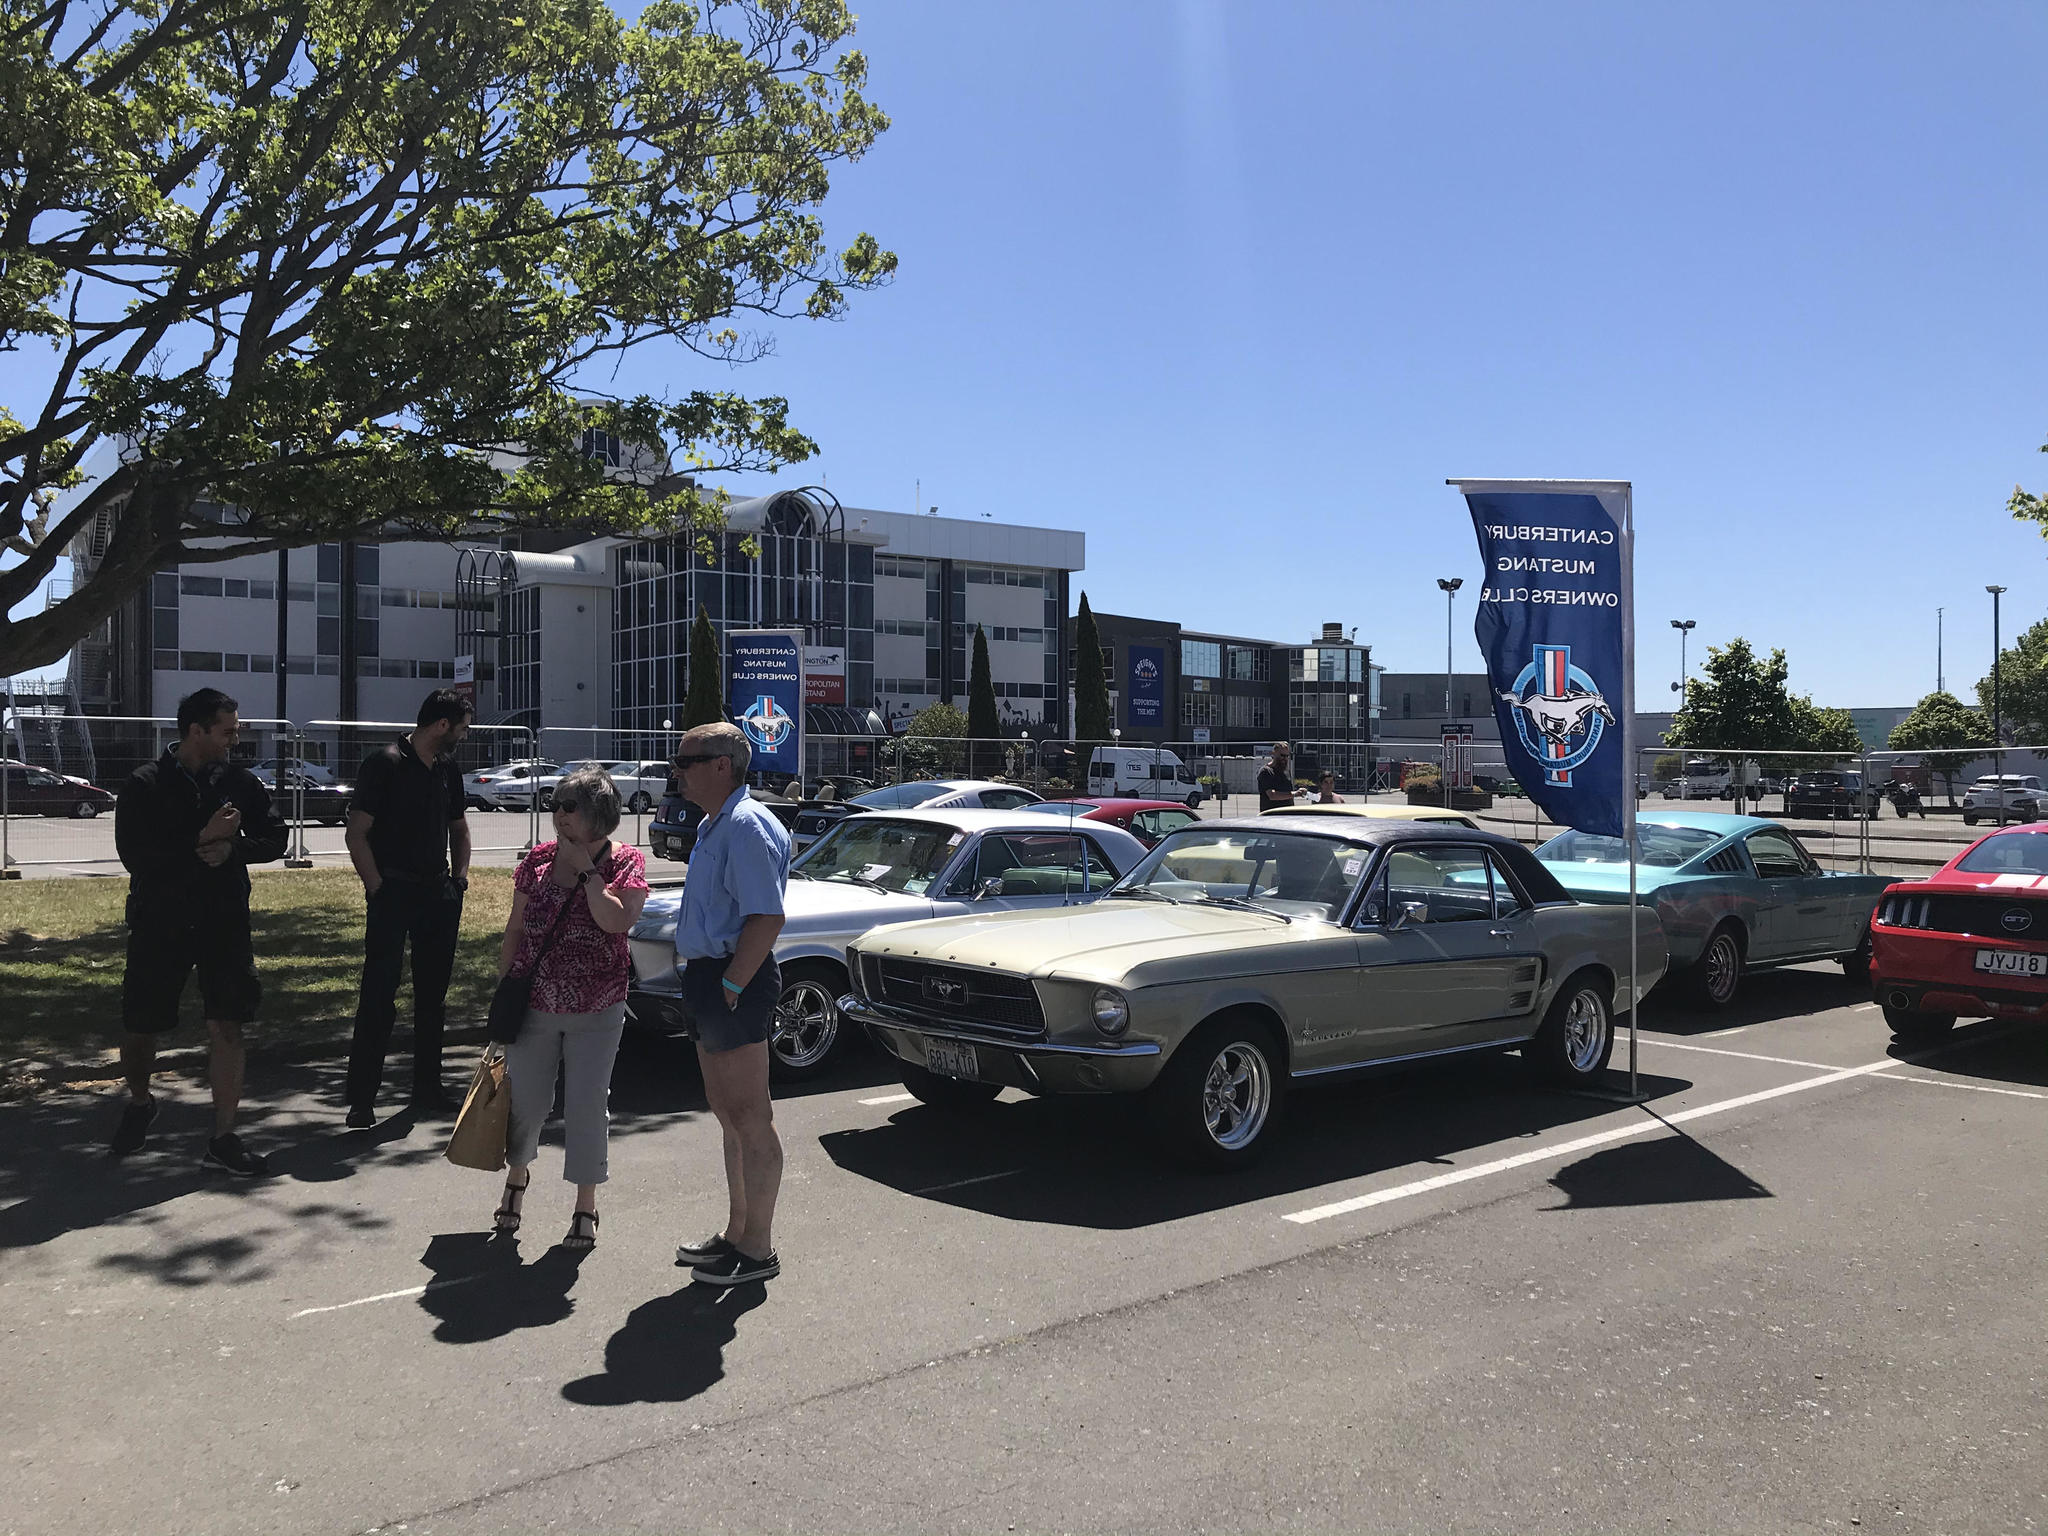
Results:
x,y
1732,893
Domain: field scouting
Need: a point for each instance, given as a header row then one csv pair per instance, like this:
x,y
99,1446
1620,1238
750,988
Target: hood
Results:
x,y
1101,942
1608,883
809,906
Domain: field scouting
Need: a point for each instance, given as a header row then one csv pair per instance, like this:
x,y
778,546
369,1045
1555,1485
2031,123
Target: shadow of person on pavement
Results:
x,y
480,1290
669,1349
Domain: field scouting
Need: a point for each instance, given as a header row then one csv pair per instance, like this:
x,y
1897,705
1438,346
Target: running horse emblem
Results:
x,y
1559,712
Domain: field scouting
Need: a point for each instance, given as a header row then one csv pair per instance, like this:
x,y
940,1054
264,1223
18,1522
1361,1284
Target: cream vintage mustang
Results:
x,y
1244,956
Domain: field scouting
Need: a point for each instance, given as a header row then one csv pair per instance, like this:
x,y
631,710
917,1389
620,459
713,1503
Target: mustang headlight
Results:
x,y
1112,1013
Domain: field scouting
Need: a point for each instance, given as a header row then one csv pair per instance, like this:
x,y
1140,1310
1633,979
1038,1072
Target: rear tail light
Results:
x,y
1906,911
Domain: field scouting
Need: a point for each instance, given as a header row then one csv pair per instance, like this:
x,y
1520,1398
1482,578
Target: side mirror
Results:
x,y
1407,914
992,886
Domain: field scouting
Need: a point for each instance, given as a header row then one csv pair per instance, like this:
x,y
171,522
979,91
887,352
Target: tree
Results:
x,y
1743,707
311,273
982,724
930,748
705,702
1091,689
2022,688
1942,721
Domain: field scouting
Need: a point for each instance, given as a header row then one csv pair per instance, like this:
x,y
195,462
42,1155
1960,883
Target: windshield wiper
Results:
x,y
1241,905
873,885
1146,893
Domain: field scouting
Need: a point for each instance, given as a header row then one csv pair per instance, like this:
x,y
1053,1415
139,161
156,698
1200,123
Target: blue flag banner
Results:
x,y
1556,621
765,695
1148,685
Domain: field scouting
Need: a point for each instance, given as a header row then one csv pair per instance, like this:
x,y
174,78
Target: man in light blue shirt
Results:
x,y
725,942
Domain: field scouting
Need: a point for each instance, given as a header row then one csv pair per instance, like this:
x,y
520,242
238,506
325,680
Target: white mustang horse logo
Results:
x,y
1561,716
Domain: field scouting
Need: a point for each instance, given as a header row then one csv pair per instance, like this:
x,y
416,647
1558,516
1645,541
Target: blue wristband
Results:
x,y
730,986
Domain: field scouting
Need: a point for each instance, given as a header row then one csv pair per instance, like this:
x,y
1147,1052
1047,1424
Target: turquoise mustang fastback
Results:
x,y
1733,894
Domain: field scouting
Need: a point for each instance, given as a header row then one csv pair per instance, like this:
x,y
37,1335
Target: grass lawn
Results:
x,y
63,942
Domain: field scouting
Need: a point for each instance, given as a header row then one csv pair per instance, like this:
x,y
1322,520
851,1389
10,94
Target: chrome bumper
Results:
x,y
1037,1066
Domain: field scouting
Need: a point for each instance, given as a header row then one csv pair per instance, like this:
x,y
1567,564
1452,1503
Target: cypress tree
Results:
x,y
705,704
1091,690
982,724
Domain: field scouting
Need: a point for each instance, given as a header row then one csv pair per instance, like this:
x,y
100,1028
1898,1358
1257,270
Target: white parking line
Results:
x,y
1942,1082
891,1098
1708,1050
364,1301
986,1178
1647,1127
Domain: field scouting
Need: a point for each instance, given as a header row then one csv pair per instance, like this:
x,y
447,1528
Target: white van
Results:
x,y
1143,773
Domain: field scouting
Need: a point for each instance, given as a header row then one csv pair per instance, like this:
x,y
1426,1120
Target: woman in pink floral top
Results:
x,y
586,890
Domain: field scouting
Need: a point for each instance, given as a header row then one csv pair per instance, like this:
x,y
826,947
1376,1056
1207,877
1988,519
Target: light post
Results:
x,y
1997,764
1450,591
1685,628
1940,683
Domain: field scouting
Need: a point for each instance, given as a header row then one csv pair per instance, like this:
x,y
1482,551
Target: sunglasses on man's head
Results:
x,y
693,759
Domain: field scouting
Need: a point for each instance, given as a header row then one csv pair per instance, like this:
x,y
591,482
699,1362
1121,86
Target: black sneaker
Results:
x,y
229,1155
133,1130
360,1117
704,1251
737,1269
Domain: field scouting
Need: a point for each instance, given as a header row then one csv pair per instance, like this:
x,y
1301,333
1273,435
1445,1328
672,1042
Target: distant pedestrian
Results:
x,y
573,902
409,839
1326,789
725,939
187,827
1276,784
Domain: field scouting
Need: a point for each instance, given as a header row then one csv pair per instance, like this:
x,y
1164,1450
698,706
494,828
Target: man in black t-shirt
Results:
x,y
1276,784
187,827
410,843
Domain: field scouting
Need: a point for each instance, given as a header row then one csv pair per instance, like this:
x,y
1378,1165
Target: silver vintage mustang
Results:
x,y
1242,956
884,867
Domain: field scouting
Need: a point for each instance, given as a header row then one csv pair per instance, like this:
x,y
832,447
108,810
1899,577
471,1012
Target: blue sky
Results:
x,y
1233,288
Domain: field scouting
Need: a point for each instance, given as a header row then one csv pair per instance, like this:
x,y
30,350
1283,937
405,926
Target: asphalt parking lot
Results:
x,y
1800,1290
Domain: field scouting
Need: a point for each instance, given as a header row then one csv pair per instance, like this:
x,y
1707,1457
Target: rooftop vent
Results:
x,y
1333,634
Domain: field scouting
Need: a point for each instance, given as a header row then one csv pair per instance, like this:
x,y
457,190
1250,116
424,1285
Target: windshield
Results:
x,y
900,856
899,797
2008,853
1663,847
1292,874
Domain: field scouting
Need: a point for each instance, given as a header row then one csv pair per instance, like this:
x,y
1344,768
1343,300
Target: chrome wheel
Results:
x,y
1586,1029
640,803
1237,1093
806,1025
1723,966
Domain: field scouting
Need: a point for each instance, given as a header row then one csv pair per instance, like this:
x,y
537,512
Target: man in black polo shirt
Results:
x,y
187,827
1276,784
410,844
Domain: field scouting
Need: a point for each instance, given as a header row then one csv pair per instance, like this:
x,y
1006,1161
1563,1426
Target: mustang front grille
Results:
x,y
954,995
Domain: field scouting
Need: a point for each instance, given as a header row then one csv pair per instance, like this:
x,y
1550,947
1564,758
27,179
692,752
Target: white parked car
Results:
x,y
640,783
814,820
872,871
2013,796
507,786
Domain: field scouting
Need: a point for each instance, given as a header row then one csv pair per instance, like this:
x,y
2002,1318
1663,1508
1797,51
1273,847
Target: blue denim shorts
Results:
x,y
750,1018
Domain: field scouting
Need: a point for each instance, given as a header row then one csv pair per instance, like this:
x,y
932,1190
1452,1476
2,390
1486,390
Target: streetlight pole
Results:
x,y
1997,764
1685,628
1940,683
1450,591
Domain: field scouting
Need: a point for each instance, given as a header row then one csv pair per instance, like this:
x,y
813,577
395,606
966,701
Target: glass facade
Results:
x,y
1328,692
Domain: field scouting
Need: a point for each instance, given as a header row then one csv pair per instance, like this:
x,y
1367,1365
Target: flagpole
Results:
x,y
1628,752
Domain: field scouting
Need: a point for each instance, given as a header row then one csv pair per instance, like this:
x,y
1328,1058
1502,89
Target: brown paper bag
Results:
x,y
478,1140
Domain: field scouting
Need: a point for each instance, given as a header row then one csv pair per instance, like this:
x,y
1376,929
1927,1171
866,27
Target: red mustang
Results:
x,y
1146,820
1972,941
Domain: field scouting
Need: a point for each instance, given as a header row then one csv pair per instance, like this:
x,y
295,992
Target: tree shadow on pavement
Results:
x,y
670,1349
481,1291
1670,1170
1090,1162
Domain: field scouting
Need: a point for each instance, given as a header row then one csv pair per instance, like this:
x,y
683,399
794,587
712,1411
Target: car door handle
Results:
x,y
1502,933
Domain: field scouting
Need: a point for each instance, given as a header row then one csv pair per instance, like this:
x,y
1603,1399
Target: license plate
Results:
x,y
2012,962
949,1058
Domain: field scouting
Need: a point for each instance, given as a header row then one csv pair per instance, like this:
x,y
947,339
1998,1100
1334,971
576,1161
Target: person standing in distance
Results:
x,y
725,941
1276,784
187,827
409,839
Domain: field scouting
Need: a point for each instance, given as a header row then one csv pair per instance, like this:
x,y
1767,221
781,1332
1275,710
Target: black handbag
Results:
x,y
514,994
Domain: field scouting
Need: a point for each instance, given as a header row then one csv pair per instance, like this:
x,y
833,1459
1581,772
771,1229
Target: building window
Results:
x,y
200,661
1201,658
1250,712
327,562
603,447
199,586
1249,664
1198,709
1407,706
